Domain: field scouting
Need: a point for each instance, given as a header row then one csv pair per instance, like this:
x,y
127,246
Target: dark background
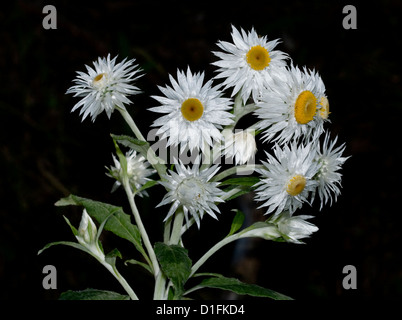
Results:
x,y
47,153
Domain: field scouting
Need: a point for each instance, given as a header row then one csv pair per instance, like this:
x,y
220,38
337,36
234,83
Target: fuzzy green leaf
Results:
x,y
92,294
241,288
175,264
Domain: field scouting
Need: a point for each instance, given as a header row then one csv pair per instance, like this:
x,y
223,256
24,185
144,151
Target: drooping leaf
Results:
x,y
241,288
66,243
144,265
92,294
175,264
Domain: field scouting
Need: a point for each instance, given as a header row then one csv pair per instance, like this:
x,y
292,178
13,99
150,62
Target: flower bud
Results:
x,y
295,228
240,145
87,235
268,232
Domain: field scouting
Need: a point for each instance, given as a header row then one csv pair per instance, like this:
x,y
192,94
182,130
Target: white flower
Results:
x,y
288,110
330,160
104,87
138,172
294,228
87,235
287,180
195,113
240,145
192,190
248,63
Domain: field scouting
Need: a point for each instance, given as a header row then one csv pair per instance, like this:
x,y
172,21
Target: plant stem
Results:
x,y
120,278
234,170
141,228
177,224
151,156
131,124
166,230
160,283
211,251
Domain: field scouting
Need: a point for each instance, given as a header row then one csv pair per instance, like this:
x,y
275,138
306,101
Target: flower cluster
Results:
x,y
289,108
290,105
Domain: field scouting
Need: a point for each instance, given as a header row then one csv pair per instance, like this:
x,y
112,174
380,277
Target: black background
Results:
x,y
47,153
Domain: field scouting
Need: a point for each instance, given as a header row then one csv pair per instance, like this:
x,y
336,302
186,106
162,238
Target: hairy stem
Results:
x,y
121,280
141,228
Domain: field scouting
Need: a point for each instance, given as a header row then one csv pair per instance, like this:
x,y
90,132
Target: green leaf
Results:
x,y
147,185
73,229
244,184
234,285
112,255
92,294
66,243
244,181
175,264
141,147
118,222
144,265
237,222
122,157
242,190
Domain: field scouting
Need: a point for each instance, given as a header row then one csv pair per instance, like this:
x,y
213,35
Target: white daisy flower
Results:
x,y
138,172
192,190
330,160
195,113
240,145
105,86
294,228
295,106
287,179
248,63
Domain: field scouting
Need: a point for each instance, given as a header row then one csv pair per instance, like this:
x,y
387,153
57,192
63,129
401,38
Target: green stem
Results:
x,y
211,251
131,124
160,283
166,231
120,278
153,159
235,170
141,228
177,224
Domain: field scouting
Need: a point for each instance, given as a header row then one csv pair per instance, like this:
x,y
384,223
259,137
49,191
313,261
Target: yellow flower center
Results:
x,y
305,107
99,80
192,109
324,111
296,185
258,58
